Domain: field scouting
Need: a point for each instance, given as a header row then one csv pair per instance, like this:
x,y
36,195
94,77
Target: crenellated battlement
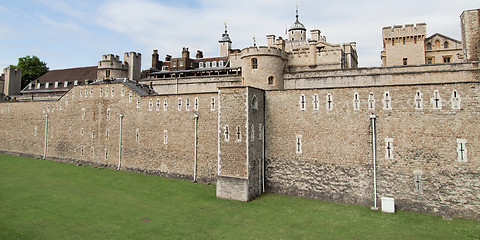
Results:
x,y
263,50
420,29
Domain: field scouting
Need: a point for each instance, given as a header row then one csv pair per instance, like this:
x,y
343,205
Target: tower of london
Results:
x,y
296,117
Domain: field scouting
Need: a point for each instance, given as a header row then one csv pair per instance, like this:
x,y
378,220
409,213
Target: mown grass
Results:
x,y
49,200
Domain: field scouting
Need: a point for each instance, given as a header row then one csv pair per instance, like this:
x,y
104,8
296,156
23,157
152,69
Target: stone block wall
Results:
x,y
334,163
87,129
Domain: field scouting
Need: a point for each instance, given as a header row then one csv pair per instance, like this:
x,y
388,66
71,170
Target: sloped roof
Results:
x,y
442,36
69,75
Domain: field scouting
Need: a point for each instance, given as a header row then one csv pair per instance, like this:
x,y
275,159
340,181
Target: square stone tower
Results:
x,y
241,117
470,23
404,45
12,82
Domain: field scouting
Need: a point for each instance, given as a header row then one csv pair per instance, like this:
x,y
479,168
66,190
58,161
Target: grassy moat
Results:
x,y
49,200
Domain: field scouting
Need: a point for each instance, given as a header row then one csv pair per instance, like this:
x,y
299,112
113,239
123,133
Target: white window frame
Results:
x,y
388,148
462,150
387,100
436,100
456,100
418,100
298,144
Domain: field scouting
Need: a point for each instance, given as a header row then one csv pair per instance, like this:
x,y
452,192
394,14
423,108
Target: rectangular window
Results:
x,y
130,96
200,65
137,135
138,103
106,153
122,92
101,92
83,113
81,131
83,151
436,100
252,132
461,150
106,91
371,101
226,133
356,101
315,102
56,85
302,102
446,59
112,91
179,104
91,92
239,135
388,148
150,105
108,114
260,132
329,101
181,63
212,104
174,64
165,137
298,144
418,188
65,84
93,152
187,104
195,106
157,105
165,104
107,134
387,101
456,100
405,61
418,100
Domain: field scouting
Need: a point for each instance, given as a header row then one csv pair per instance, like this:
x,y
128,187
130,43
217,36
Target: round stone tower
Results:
x,y
262,67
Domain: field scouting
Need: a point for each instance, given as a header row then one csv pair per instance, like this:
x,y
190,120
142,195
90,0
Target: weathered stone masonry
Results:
x,y
317,141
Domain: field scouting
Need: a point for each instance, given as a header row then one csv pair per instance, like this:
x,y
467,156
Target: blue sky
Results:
x,y
68,34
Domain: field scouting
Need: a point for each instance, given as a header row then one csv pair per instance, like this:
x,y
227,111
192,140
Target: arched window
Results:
x,y
271,80
254,63
207,64
445,45
254,103
437,44
429,46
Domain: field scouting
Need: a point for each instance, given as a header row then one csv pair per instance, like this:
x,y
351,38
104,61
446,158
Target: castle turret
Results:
x,y
297,32
225,44
133,61
262,67
470,23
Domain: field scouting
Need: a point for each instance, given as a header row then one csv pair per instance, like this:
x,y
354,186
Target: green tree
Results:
x,y
32,68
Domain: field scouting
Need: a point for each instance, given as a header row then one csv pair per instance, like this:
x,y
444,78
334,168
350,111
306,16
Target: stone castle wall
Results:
x,y
318,139
87,129
335,160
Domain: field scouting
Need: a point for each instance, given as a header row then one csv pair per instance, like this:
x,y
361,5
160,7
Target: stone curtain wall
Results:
x,y
335,161
87,129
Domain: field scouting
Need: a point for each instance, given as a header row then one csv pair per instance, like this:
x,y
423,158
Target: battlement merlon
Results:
x,y
397,31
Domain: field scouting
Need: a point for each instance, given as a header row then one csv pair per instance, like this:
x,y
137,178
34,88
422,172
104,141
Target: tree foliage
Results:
x,y
32,68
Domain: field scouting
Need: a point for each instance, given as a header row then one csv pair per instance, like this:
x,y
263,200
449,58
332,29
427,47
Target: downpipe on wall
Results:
x,y
374,147
195,116
45,142
120,143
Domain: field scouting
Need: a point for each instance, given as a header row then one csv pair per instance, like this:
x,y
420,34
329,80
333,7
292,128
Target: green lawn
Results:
x,y
49,200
